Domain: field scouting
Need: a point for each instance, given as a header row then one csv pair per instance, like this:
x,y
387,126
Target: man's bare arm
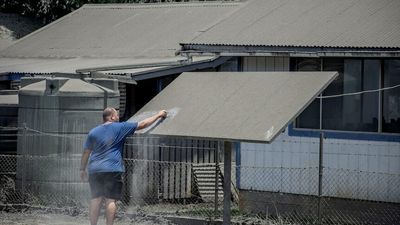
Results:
x,y
148,121
84,160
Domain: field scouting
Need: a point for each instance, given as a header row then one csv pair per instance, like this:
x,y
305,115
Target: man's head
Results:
x,y
110,115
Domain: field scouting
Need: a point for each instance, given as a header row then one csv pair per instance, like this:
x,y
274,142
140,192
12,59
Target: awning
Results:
x,y
234,106
70,66
53,65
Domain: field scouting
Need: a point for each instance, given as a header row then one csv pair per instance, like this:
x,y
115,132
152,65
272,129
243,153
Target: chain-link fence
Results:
x,y
182,179
308,207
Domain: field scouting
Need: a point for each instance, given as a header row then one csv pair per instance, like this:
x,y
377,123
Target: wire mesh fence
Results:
x,y
301,204
174,178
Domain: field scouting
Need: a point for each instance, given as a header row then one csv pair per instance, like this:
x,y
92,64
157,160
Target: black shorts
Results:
x,y
108,185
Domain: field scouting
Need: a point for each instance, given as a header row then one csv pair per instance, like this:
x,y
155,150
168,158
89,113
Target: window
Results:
x,y
332,108
391,97
356,112
370,101
309,118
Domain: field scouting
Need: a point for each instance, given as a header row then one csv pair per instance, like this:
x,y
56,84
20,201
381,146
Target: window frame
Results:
x,y
378,135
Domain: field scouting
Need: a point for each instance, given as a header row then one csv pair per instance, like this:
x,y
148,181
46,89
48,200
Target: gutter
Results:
x,y
159,72
236,50
171,67
132,66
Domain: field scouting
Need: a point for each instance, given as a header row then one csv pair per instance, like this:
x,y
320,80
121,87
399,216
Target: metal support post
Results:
x,y
320,173
216,158
24,159
227,182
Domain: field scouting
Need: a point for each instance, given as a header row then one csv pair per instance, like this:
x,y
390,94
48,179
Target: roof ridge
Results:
x,y
163,5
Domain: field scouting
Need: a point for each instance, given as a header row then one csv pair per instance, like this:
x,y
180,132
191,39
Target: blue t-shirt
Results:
x,y
106,142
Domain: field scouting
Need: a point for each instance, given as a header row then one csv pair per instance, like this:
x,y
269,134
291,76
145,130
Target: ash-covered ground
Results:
x,y
40,217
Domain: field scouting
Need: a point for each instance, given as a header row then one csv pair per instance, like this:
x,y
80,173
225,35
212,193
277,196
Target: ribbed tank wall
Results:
x,y
8,121
57,114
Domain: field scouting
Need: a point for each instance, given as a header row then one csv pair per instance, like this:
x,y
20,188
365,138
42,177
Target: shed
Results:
x,y
359,111
116,39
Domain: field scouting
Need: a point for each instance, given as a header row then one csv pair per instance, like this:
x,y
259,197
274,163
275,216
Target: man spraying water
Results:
x,y
102,157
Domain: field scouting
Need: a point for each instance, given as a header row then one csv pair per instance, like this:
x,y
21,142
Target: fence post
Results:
x,y
216,153
24,159
320,173
227,182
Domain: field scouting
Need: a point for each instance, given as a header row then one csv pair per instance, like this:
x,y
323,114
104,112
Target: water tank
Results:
x,y
57,114
8,121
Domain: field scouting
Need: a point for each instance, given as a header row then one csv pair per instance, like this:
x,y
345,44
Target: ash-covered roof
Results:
x,y
240,106
309,23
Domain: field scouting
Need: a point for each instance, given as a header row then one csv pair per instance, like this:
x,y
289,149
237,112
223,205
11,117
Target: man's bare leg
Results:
x,y
95,205
111,210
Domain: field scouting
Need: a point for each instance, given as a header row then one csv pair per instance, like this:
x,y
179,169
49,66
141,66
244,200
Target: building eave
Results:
x,y
290,51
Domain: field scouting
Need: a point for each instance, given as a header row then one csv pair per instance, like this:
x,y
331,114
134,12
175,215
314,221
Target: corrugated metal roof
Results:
x,y
47,66
309,23
41,65
121,31
243,106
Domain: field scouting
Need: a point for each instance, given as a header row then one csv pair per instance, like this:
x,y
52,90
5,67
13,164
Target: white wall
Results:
x,y
367,170
353,169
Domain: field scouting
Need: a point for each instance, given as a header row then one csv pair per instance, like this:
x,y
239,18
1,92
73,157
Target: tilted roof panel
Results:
x,y
243,106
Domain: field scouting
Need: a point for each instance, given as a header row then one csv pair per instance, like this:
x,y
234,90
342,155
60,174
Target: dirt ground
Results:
x,y
43,218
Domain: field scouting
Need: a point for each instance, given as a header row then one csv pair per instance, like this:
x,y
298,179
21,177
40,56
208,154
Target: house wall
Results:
x,y
357,169
252,64
368,170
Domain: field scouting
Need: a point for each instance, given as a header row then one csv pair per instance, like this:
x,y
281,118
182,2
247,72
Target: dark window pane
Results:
x,y
353,112
332,107
370,101
309,118
391,98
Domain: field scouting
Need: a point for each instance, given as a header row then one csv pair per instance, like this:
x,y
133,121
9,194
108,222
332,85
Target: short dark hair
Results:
x,y
107,113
